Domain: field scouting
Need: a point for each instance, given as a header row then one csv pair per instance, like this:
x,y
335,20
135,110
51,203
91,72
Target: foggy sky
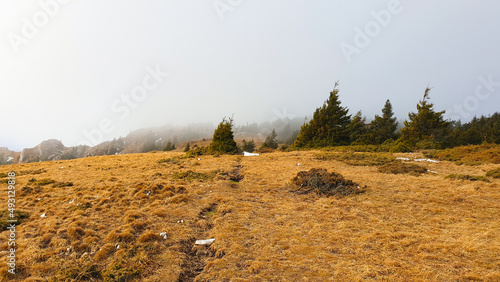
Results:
x,y
72,66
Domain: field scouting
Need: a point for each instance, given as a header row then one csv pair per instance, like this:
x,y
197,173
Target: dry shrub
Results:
x,y
320,181
149,236
105,252
401,168
357,159
467,177
495,173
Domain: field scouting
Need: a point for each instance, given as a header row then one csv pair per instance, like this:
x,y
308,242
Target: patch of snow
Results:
x,y
426,160
403,159
247,154
204,242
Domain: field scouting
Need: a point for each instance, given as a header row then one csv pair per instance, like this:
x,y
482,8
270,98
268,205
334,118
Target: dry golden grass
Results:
x,y
107,225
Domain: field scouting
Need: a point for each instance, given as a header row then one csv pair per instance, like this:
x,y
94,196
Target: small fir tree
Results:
x,y
383,128
270,141
248,146
170,146
426,124
223,139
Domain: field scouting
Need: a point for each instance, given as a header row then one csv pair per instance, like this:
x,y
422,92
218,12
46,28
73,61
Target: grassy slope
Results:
x,y
403,228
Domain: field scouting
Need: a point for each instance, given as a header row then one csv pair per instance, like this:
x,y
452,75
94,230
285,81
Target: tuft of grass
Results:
x,y
324,183
468,155
25,190
495,173
357,159
174,160
62,184
467,177
41,182
401,168
119,235
148,236
105,252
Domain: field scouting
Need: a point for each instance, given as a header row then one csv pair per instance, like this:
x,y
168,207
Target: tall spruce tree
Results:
x,y
426,124
383,127
328,127
223,140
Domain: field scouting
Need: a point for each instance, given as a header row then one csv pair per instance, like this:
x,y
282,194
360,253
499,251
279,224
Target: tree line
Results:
x,y
332,125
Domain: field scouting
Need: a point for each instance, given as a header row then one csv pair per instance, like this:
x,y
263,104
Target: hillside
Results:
x,y
137,216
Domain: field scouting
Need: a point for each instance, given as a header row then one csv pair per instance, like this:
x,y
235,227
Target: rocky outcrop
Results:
x,y
7,156
46,151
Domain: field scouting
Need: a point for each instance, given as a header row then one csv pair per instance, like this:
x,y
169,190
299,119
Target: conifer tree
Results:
x,y
248,146
223,139
426,124
270,141
383,127
187,148
169,147
357,128
328,127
